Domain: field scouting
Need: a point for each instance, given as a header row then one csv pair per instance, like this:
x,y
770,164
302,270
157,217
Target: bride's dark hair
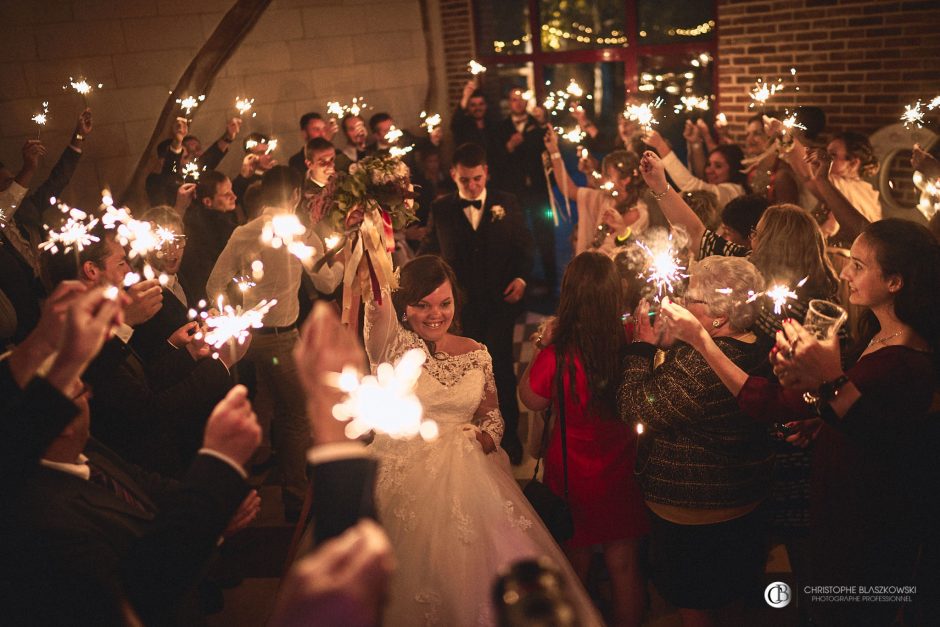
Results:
x,y
590,326
421,276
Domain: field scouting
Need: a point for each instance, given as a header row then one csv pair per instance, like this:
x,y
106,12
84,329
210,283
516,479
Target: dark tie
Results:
x,y
105,480
476,204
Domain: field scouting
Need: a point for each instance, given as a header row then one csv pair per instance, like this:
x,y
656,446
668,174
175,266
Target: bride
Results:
x,y
451,507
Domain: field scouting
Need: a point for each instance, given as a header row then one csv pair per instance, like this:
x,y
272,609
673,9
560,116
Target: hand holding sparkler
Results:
x,y
33,153
180,130
325,347
146,299
232,128
232,428
691,133
82,128
653,172
655,141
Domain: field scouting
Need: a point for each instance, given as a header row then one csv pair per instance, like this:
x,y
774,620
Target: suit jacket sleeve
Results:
x,y
57,180
171,557
522,242
343,492
430,245
212,157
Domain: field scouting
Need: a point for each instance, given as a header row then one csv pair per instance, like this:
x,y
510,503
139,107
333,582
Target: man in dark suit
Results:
x,y
481,233
94,514
519,139
472,121
312,125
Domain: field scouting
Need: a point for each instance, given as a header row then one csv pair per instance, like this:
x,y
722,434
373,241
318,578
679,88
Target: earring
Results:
x,y
716,323
404,317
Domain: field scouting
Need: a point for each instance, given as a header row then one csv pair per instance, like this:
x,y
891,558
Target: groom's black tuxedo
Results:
x,y
486,261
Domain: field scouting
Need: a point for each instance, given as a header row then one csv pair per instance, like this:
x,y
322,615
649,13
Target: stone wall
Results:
x,y
301,54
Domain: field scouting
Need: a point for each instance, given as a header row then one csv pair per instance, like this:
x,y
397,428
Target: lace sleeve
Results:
x,y
487,416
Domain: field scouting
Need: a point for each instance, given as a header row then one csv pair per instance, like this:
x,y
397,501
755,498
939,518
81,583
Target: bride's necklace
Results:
x,y
884,339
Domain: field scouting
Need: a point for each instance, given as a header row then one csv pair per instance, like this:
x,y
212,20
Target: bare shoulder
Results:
x,y
459,345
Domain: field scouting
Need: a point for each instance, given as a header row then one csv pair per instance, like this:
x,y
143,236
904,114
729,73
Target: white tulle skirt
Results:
x,y
455,517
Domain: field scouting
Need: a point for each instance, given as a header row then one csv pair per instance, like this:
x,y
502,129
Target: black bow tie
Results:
x,y
476,204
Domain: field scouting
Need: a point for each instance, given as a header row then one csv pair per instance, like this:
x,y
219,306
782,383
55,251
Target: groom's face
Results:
x,y
470,181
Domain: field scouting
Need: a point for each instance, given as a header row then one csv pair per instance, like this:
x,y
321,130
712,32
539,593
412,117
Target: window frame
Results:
x,y
629,55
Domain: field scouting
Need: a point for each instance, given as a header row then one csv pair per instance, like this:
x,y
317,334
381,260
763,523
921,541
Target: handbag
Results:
x,y
551,508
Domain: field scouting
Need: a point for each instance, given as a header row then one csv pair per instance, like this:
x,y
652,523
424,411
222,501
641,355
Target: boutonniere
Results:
x,y
497,212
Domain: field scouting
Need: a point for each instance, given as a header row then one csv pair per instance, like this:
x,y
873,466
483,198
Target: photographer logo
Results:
x,y
777,594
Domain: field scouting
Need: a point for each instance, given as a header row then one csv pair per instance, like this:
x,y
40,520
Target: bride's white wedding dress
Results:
x,y
454,514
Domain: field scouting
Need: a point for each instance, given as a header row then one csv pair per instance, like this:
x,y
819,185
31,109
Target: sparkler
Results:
x,y
431,122
761,91
574,89
691,103
234,324
721,120
778,293
339,110
192,171
285,230
393,135
395,151
575,135
244,283
384,402
790,122
189,103
82,87
644,113
929,202
475,68
331,241
664,271
73,234
243,105
933,104
913,116
41,118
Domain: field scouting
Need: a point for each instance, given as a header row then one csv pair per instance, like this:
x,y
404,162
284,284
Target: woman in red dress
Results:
x,y
605,501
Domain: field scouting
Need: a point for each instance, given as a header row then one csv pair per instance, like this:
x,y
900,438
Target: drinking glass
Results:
x,y
824,318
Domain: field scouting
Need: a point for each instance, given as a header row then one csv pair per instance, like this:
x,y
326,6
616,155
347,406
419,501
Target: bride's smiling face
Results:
x,y
431,316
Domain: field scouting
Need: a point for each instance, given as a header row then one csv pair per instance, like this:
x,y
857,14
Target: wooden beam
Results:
x,y
197,79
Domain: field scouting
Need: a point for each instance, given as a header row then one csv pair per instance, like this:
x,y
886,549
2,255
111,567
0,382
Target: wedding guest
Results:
x,y
787,247
739,219
89,512
481,234
312,125
182,149
354,129
471,123
258,160
208,226
520,171
581,364
271,346
702,464
723,176
767,174
607,218
381,125
851,157
431,181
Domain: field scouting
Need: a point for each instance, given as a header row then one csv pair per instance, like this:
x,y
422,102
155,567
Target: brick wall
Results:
x,y
300,54
860,60
459,45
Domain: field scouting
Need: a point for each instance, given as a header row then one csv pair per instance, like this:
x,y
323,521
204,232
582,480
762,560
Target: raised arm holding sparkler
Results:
x,y
670,201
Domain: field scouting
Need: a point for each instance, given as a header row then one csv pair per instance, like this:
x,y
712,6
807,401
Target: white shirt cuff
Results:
x,y
336,451
225,458
124,332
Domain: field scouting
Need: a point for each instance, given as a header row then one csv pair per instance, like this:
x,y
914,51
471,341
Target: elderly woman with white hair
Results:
x,y
703,466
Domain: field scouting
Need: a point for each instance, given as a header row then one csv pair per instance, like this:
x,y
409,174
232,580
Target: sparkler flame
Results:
x,y
790,122
235,323
691,103
81,86
339,110
384,402
913,116
330,241
393,135
243,105
285,229
575,135
430,122
761,92
933,104
574,89
644,113
43,116
721,120
475,68
395,151
191,171
74,233
188,103
778,293
664,271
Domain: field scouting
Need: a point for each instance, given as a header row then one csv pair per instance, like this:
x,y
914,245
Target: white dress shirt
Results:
x,y
473,214
282,270
173,284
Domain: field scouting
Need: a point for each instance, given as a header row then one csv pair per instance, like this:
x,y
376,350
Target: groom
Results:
x,y
481,233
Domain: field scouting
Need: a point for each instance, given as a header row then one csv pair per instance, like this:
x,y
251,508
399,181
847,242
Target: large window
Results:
x,y
611,48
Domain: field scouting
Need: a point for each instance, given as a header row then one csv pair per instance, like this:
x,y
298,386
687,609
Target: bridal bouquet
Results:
x,y
380,186
381,182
